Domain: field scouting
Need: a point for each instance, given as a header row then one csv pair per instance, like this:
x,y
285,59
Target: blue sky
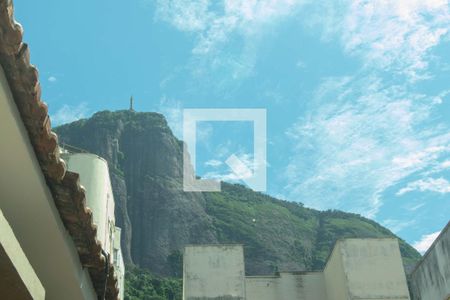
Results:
x,y
357,92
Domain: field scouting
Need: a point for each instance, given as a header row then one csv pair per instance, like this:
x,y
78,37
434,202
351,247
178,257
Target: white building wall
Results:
x,y
94,177
431,278
213,272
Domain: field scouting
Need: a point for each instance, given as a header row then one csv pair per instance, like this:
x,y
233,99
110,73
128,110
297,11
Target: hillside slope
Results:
x,y
158,218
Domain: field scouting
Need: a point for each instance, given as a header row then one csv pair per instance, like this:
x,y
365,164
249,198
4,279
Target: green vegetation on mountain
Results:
x,y
141,284
285,235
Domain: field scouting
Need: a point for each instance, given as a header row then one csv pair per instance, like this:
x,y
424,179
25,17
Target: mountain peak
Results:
x,y
158,218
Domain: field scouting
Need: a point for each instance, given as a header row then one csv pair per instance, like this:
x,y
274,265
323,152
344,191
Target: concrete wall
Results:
x,y
286,286
301,286
28,206
369,269
431,278
262,287
217,272
213,272
312,286
356,269
334,273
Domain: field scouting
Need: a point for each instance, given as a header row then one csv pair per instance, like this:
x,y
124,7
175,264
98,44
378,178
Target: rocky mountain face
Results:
x,y
144,158
158,219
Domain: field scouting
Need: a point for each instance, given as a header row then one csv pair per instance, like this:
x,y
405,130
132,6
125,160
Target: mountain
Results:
x,y
158,218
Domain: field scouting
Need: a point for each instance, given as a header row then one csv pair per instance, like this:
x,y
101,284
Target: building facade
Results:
x,y
95,179
430,280
211,271
356,269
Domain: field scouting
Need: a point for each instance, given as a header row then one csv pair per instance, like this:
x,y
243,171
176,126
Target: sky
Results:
x,y
357,93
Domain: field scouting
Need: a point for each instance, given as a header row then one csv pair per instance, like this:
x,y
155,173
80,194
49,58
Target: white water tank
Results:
x,y
94,177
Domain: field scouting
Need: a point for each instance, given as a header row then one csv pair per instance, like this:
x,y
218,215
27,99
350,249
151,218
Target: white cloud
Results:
x,y
173,112
445,165
358,138
421,158
204,132
425,242
216,24
416,207
68,113
241,171
213,163
397,225
214,21
439,185
228,177
362,136
185,15
389,35
52,79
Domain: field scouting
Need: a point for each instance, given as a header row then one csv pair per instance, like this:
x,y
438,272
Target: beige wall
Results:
x,y
334,273
313,286
18,279
366,269
213,271
431,278
356,269
262,287
286,286
301,286
27,204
